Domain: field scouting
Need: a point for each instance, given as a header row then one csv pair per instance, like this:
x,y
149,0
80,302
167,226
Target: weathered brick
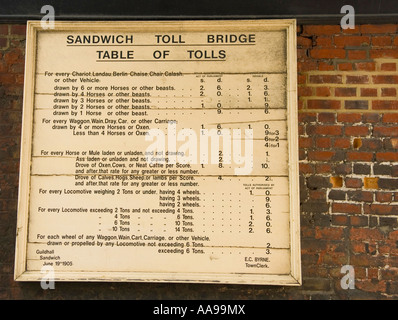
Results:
x,y
387,156
352,41
353,183
388,92
383,53
317,182
380,169
362,79
380,209
368,92
356,104
324,104
385,104
360,196
337,195
381,41
357,54
346,208
389,184
345,92
361,168
356,131
378,29
326,78
359,156
326,117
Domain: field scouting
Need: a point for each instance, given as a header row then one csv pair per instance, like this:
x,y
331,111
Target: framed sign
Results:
x,y
160,151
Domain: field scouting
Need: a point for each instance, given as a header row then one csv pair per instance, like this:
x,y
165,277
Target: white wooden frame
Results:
x,y
33,28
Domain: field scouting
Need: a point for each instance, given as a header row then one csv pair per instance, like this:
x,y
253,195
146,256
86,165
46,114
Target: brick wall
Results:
x,y
348,137
348,116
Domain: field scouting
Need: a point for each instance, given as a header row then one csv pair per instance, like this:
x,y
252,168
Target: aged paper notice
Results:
x,y
160,151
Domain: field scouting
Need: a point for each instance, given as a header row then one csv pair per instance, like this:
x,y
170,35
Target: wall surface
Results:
x,y
348,137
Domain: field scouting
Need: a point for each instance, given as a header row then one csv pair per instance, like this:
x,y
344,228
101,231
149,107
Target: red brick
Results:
x,y
385,79
381,41
304,42
308,65
356,104
339,220
388,92
371,117
388,66
390,118
330,233
3,42
372,144
378,29
368,92
7,78
306,168
357,79
356,30
345,66
304,91
321,29
323,143
346,208
383,196
354,41
324,66
383,53
302,53
359,221
365,234
380,209
329,53
305,142
301,79
320,155
357,54
323,168
342,143
385,104
307,117
349,117
329,130
19,29
323,42
396,41
326,78
4,29
317,194
357,131
385,131
359,156
387,156
323,91
323,104
365,66
345,92
326,117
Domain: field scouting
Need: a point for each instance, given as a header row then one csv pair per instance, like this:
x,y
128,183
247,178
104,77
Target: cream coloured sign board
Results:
x,y
160,151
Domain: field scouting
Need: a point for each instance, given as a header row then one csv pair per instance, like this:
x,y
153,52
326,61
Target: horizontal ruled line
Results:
x,y
163,45
135,60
